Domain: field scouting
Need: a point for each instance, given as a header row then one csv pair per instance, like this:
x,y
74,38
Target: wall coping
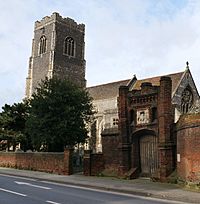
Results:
x,y
188,121
42,153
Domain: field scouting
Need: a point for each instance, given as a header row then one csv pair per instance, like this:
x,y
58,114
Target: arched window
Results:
x,y
69,47
186,100
43,45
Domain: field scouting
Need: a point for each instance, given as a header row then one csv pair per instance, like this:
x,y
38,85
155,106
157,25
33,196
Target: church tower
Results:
x,y
57,50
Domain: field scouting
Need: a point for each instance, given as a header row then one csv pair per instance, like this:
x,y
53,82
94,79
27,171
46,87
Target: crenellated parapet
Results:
x,y
57,50
56,17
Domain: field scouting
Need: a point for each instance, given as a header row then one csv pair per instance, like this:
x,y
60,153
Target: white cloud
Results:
x,y
123,38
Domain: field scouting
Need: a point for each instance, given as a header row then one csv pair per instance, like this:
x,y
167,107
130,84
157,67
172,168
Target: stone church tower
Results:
x,y
57,50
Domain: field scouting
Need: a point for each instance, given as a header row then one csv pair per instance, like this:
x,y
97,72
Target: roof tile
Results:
x,y
111,90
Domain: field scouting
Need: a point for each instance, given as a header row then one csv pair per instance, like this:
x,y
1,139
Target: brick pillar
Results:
x,y
68,161
165,117
87,162
124,146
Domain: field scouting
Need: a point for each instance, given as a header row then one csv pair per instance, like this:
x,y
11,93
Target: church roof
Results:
x,y
176,77
111,90
105,91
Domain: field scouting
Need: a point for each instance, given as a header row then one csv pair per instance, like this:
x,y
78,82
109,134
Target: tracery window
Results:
x,y
186,100
69,47
43,45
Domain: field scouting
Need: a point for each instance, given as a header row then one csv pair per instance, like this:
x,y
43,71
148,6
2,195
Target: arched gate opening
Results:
x,y
147,151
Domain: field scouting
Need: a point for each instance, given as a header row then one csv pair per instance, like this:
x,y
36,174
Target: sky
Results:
x,y
123,37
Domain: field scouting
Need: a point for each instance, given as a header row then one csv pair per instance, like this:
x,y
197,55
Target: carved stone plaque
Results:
x,y
142,116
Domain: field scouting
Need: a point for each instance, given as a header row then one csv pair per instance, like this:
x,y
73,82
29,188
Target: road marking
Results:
x,y
13,192
32,185
48,201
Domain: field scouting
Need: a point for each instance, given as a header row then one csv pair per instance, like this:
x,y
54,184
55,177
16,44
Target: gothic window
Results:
x,y
186,100
69,47
43,45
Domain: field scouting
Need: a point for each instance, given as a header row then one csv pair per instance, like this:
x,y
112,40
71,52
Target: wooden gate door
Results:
x,y
148,155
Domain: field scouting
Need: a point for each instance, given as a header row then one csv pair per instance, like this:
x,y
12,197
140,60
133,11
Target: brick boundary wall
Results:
x,y
188,148
93,163
110,149
58,163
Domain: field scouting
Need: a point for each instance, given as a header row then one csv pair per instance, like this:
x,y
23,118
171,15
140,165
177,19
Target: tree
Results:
x,y
59,115
12,124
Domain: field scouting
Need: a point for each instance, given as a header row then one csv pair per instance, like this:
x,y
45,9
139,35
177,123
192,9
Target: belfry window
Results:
x,y
69,47
186,100
43,45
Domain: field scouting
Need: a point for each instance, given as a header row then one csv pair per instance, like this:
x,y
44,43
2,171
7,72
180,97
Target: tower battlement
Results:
x,y
58,49
56,17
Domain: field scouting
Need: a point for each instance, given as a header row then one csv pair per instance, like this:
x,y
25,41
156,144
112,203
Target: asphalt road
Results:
x,y
29,191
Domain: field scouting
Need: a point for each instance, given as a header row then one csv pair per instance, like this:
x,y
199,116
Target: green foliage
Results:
x,y
58,116
12,123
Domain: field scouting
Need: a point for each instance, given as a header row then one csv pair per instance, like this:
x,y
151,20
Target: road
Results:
x,y
30,191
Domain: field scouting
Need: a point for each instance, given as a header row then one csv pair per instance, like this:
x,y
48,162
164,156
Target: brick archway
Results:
x,y
146,151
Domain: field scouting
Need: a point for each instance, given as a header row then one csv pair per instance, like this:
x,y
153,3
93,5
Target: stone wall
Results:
x,y
188,148
59,163
54,62
107,111
72,68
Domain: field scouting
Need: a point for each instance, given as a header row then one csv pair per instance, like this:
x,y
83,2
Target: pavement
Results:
x,y
141,186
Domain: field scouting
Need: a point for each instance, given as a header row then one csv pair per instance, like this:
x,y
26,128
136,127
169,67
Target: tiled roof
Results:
x,y
105,91
111,90
156,80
